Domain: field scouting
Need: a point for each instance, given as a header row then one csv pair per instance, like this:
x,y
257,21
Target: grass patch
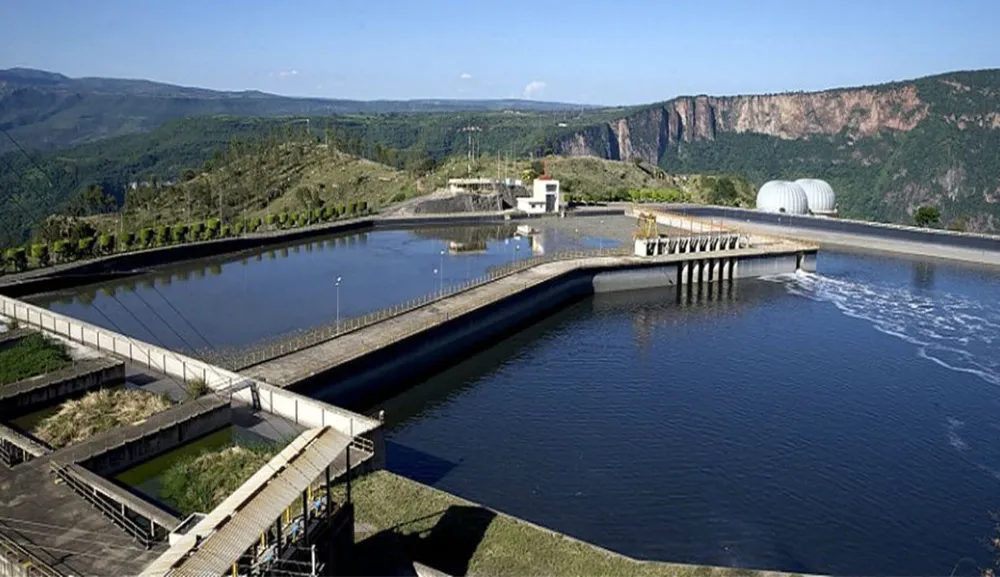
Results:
x,y
201,482
78,420
196,388
33,355
412,521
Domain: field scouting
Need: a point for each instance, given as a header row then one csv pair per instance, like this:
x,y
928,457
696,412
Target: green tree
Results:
x,y
106,244
18,258
226,231
40,252
196,231
178,233
162,235
64,250
128,240
85,246
364,206
145,237
317,215
255,224
927,217
270,220
327,213
722,191
239,227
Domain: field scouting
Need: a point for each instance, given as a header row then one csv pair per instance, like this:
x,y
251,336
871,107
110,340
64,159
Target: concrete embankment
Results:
x,y
387,356
47,389
969,247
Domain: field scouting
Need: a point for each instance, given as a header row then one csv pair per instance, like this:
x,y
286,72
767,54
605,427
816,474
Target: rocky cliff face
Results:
x,y
648,133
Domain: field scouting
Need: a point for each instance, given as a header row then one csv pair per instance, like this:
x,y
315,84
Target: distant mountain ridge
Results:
x,y
47,110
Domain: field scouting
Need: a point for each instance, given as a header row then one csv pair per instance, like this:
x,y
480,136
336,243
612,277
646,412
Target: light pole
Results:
x,y
435,274
441,277
600,238
337,284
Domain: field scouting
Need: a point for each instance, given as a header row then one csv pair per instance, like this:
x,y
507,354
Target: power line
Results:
x,y
178,313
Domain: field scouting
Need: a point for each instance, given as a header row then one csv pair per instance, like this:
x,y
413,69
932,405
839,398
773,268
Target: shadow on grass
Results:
x,y
448,546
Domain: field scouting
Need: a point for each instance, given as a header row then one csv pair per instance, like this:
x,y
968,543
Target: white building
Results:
x,y
545,197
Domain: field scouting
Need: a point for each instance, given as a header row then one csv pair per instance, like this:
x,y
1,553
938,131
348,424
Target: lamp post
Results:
x,y
441,276
600,238
436,274
337,284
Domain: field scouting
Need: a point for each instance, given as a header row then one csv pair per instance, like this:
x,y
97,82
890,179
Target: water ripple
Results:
x,y
951,331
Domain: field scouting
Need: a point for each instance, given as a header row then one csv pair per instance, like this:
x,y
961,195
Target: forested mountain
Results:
x,y
45,110
886,149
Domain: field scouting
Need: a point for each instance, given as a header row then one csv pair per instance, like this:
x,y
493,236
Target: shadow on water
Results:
x,y
424,467
923,275
448,546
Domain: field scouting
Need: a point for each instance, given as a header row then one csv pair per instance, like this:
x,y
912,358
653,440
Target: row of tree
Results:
x,y
74,247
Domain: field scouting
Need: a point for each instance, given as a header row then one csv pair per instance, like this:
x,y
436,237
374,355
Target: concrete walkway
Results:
x,y
288,370
871,243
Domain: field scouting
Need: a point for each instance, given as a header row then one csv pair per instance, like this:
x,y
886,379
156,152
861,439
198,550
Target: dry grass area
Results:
x,y
78,420
408,522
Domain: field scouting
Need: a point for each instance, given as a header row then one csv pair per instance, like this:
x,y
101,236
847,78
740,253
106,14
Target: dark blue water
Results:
x,y
235,301
842,422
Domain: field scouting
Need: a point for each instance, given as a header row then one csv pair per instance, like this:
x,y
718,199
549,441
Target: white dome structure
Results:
x,y
782,196
820,195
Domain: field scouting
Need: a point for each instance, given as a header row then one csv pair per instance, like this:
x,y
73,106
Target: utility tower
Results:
x,y
470,131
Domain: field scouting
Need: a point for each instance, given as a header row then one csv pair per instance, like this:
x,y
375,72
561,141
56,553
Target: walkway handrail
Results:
x,y
34,565
237,360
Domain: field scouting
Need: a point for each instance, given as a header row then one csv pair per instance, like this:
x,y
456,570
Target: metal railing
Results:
x,y
21,561
101,502
237,360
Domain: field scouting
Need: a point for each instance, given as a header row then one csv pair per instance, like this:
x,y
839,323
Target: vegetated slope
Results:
x,y
45,110
887,149
32,186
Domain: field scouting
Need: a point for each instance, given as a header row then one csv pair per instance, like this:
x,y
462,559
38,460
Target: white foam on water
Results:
x,y
951,331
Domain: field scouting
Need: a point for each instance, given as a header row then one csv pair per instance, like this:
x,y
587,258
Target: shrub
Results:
x,y
283,218
271,219
145,237
317,215
239,227
354,208
196,231
196,388
63,249
327,213
209,233
227,231
18,258
398,197
364,206
303,219
128,240
106,243
343,210
255,224
40,252
213,224
162,235
178,233
85,245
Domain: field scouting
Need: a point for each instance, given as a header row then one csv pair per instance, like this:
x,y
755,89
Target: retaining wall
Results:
x,y
392,368
120,450
44,390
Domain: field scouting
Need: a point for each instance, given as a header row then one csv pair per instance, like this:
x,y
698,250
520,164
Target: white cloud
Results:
x,y
286,73
533,89
465,76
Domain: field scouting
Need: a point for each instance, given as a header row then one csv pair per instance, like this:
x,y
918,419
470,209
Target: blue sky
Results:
x,y
625,52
